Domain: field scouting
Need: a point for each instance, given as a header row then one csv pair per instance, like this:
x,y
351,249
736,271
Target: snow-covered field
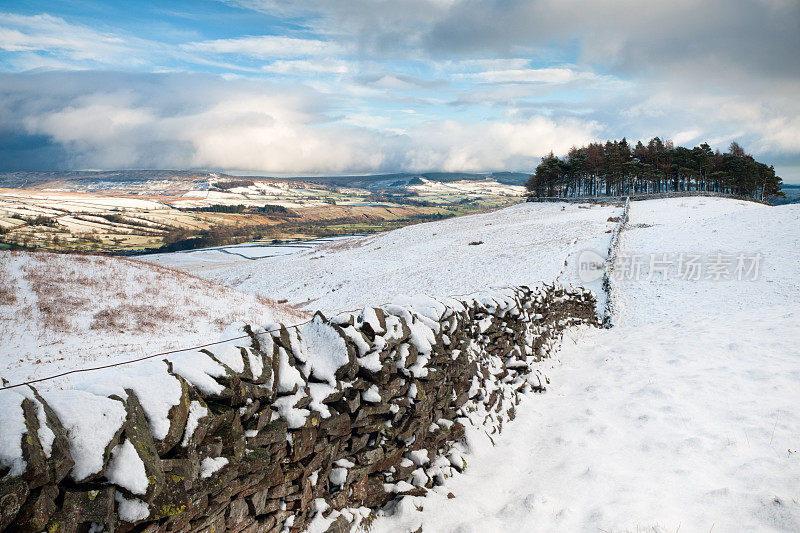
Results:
x,y
430,189
684,416
731,228
64,312
519,245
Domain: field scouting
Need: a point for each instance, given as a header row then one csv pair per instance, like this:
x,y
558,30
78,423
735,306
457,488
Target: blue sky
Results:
x,y
316,87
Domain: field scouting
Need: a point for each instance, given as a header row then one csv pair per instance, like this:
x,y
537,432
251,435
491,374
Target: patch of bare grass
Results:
x,y
52,285
86,293
111,318
8,285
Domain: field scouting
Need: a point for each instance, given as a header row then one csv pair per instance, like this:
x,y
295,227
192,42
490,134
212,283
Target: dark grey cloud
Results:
x,y
20,151
759,36
376,27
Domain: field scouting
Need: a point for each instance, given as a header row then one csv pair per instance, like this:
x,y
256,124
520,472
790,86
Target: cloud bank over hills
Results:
x,y
366,86
121,120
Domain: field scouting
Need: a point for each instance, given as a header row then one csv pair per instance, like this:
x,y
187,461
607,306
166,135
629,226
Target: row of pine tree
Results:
x,y
616,169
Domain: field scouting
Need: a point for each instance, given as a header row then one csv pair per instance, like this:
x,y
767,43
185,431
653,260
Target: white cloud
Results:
x,y
266,46
763,121
454,146
781,134
43,40
308,66
684,137
254,126
533,75
91,124
73,42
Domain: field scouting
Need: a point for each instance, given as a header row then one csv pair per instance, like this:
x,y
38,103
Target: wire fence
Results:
x,y
180,350
160,354
174,351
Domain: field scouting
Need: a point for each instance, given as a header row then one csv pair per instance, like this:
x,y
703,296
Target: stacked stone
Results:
x,y
276,437
613,246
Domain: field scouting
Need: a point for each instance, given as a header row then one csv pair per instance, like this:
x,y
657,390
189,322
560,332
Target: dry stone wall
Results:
x,y
613,247
268,432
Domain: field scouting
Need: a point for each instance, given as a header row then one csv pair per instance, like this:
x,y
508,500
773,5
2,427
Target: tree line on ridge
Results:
x,y
614,168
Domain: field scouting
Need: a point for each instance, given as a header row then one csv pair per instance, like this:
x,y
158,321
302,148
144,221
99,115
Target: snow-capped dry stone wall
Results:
x,y
611,255
285,425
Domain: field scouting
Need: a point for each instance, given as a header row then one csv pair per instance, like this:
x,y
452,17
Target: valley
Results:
x,y
136,211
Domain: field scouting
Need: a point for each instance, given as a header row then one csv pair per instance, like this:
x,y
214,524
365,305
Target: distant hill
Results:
x,y
792,193
402,179
21,180
105,179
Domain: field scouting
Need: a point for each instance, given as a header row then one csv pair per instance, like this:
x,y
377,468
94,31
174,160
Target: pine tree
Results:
x,y
612,168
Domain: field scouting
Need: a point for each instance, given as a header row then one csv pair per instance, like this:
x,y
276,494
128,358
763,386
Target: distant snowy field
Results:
x,y
683,417
520,245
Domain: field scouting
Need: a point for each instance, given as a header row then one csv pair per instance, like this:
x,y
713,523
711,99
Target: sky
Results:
x,y
312,87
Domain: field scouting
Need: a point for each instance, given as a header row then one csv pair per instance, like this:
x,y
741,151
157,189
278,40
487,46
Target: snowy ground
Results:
x,y
63,312
683,417
519,245
731,228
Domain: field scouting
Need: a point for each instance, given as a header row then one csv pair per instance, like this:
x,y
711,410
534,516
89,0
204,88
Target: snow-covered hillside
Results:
x,y
519,245
63,312
684,416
